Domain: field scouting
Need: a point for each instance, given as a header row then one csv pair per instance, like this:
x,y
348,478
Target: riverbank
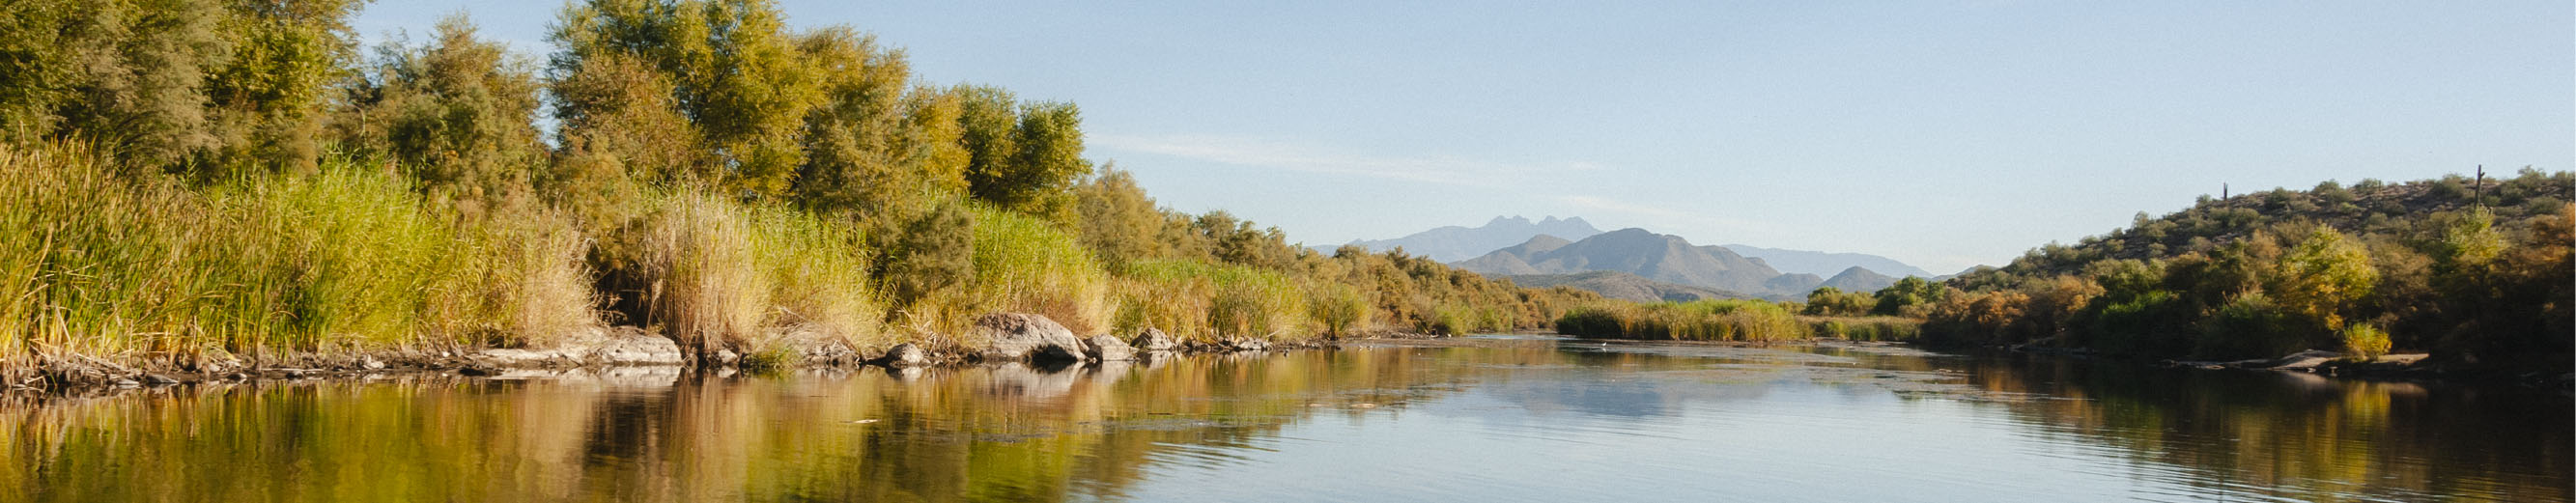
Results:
x,y
1016,338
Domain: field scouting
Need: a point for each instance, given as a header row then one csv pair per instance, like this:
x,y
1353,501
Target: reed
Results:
x,y
1702,320
1209,302
99,262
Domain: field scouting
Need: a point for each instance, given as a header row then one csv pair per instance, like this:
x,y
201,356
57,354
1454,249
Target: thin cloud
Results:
x,y
1257,153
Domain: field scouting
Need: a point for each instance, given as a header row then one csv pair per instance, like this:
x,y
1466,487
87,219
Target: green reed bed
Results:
x,y
99,262
1208,302
1865,328
1704,320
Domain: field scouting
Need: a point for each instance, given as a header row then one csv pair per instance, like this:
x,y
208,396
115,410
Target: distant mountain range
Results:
x,y
1454,243
1637,264
1654,256
1825,263
1622,285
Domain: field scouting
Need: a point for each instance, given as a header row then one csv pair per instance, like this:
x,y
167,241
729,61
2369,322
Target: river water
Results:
x,y
1498,418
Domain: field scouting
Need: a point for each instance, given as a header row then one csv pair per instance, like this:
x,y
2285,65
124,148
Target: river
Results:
x,y
1492,418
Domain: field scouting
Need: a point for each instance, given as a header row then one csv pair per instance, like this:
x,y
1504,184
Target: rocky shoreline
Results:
x,y
1015,338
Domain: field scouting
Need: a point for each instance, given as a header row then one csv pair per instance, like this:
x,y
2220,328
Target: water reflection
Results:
x,y
1503,418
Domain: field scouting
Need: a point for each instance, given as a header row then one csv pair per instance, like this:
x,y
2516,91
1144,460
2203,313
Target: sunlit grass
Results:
x,y
1703,320
99,262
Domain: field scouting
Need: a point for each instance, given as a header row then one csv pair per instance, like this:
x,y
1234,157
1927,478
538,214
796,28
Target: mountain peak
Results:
x,y
1455,243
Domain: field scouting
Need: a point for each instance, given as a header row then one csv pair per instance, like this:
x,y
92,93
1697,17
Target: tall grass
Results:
x,y
1339,310
1703,320
1211,302
1027,265
1865,328
702,282
99,262
818,275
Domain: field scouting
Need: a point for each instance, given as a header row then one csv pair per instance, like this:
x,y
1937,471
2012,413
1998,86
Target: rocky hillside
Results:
x,y
1626,286
1455,243
1654,256
1825,263
1858,279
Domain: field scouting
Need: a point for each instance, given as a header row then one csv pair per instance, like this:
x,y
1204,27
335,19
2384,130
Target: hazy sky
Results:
x,y
1942,134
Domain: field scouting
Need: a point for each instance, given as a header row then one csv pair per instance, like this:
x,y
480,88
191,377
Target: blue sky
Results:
x,y
1942,134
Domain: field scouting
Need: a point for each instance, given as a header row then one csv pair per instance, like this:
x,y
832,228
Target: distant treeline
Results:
x,y
228,177
2476,273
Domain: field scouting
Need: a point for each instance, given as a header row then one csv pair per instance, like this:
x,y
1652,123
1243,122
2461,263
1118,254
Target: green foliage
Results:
x,y
714,177
345,258
1118,221
1908,292
1830,301
933,253
818,270
1866,328
2364,342
731,69
208,88
2251,326
1024,264
2323,277
872,147
455,112
2424,263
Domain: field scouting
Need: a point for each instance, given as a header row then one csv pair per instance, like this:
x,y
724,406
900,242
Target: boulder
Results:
x,y
906,355
1110,349
635,347
1247,344
1154,339
1017,336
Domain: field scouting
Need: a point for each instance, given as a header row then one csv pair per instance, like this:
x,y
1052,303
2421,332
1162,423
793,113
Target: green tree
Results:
x,y
1119,222
734,74
456,112
1907,292
857,153
934,253
2323,277
268,97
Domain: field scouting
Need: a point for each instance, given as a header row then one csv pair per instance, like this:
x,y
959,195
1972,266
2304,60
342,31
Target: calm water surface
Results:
x,y
1481,419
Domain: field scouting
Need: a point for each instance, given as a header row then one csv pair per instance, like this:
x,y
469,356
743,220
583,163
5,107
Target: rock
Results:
x,y
1247,344
1016,336
2303,360
630,346
723,358
905,355
370,363
159,380
1110,349
1153,339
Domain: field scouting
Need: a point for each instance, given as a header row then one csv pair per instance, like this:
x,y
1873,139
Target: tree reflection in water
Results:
x,y
1013,432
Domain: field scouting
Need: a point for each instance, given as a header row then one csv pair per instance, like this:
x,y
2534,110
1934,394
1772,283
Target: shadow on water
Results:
x,y
1113,431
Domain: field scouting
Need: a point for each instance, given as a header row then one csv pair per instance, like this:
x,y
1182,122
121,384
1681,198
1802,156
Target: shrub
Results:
x,y
2365,342
2250,326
